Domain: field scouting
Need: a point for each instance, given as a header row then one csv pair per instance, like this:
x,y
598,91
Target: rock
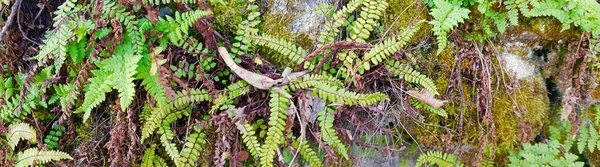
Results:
x,y
304,18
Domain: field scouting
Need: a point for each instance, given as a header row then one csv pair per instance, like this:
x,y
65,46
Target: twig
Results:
x,y
11,18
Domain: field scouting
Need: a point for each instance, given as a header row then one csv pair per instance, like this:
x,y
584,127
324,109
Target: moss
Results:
x,y
278,25
227,17
532,98
401,13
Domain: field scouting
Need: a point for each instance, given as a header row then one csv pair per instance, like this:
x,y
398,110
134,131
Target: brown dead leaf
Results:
x,y
427,97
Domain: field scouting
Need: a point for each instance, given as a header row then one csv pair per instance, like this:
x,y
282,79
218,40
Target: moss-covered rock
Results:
x,y
401,13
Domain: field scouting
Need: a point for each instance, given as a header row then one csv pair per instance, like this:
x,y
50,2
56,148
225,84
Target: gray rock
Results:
x,y
306,19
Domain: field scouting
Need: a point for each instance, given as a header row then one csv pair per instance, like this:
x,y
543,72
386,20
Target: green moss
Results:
x,y
401,13
278,25
531,97
227,17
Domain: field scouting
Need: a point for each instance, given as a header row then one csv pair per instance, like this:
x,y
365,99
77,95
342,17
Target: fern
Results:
x,y
19,131
190,154
312,80
164,2
168,114
278,106
334,94
177,28
250,139
115,72
34,156
331,29
56,44
388,47
420,105
306,152
294,53
151,159
445,17
403,71
166,138
328,134
246,29
439,158
542,154
588,138
371,12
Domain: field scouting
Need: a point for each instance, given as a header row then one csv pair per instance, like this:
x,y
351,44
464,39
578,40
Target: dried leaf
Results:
x,y
427,97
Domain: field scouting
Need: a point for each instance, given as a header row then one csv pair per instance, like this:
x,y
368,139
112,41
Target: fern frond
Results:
x,y
403,71
177,28
312,80
388,47
445,17
164,2
439,158
237,89
166,139
19,131
371,12
278,106
246,29
33,156
294,53
56,44
151,159
588,138
331,29
191,153
307,153
420,105
64,10
168,113
328,134
250,139
115,72
335,94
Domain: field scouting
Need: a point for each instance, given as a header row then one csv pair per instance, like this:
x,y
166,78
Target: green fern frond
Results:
x,y
445,17
439,158
334,94
151,159
19,131
164,2
56,44
403,71
312,80
588,138
237,89
246,29
328,134
152,84
34,156
370,13
64,10
294,53
176,29
169,113
388,47
278,106
307,153
115,72
166,139
250,139
420,105
191,153
331,29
